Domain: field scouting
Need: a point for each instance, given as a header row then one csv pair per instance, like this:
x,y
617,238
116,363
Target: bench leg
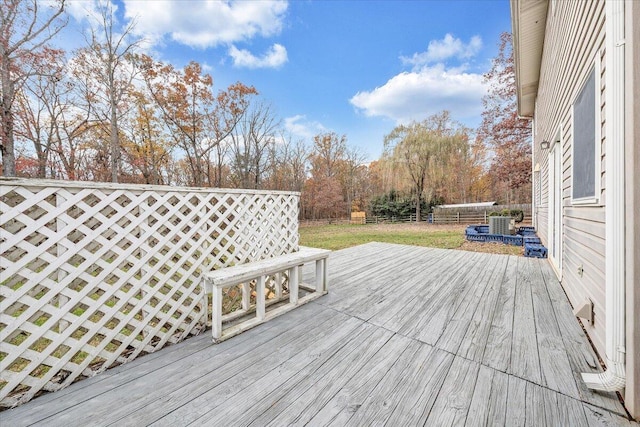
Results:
x,y
321,272
293,285
216,313
205,301
260,298
278,286
246,296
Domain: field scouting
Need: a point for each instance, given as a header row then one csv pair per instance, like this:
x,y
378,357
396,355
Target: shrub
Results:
x,y
516,214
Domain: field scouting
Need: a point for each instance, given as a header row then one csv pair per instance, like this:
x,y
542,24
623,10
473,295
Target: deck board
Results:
x,y
406,336
525,360
488,405
497,354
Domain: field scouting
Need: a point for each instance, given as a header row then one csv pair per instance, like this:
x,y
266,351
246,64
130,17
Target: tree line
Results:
x,y
108,111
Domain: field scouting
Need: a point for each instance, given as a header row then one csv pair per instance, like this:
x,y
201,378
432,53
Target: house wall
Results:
x,y
574,40
632,157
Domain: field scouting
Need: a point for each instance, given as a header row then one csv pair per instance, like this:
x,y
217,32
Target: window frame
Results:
x,y
593,200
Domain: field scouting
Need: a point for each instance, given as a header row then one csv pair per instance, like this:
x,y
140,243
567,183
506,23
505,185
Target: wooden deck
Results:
x,y
406,336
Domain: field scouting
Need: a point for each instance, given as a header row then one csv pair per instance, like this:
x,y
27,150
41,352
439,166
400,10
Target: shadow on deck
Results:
x,y
406,336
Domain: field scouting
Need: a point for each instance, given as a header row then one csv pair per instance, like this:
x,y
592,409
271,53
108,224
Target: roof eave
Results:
x,y
528,21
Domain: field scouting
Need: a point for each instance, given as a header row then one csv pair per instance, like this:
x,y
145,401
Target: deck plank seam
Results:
x,y
507,373
528,381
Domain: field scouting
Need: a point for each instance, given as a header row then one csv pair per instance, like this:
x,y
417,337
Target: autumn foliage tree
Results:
x,y
323,196
185,100
507,135
146,145
106,112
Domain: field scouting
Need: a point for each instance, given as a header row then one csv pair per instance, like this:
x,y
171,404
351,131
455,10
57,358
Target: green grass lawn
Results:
x,y
336,237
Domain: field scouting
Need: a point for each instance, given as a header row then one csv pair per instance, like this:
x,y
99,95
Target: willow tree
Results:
x,y
424,150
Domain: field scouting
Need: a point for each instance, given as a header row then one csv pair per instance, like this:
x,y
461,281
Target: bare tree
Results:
x,y
250,142
24,30
107,58
230,107
287,163
40,106
353,164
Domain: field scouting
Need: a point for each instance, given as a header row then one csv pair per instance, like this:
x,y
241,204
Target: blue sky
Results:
x,y
354,67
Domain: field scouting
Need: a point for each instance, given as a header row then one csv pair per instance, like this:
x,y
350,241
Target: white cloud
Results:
x,y
275,57
441,50
301,127
431,86
89,10
417,94
206,23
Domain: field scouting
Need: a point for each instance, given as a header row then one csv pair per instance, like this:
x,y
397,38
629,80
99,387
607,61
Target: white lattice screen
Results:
x,y
92,275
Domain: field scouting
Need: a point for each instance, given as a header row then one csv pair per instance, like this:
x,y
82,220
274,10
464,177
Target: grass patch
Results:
x,y
336,237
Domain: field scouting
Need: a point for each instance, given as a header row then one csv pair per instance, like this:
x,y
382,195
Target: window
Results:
x,y
586,142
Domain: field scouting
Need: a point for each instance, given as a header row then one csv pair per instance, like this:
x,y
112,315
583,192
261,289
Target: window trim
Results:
x,y
595,199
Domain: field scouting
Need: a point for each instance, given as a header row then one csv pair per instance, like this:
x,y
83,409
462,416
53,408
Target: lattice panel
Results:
x,y
94,275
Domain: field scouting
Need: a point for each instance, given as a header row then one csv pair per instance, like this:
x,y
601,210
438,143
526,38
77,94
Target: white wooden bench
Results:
x,y
215,281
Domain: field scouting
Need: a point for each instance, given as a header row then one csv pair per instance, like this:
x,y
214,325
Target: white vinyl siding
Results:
x,y
574,37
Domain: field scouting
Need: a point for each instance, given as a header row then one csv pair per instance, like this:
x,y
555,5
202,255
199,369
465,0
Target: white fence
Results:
x,y
92,275
475,215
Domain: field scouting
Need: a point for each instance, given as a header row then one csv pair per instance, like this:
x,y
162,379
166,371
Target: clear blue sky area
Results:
x,y
354,67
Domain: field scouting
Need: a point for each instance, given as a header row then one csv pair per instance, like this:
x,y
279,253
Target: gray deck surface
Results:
x,y
407,336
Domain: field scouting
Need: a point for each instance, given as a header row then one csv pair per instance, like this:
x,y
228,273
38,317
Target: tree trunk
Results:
x,y
8,151
115,140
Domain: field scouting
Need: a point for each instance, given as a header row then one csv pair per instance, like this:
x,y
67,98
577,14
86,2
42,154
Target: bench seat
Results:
x,y
215,281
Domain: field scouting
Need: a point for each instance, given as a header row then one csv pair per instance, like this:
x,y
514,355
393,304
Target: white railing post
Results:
x,y
293,285
260,298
